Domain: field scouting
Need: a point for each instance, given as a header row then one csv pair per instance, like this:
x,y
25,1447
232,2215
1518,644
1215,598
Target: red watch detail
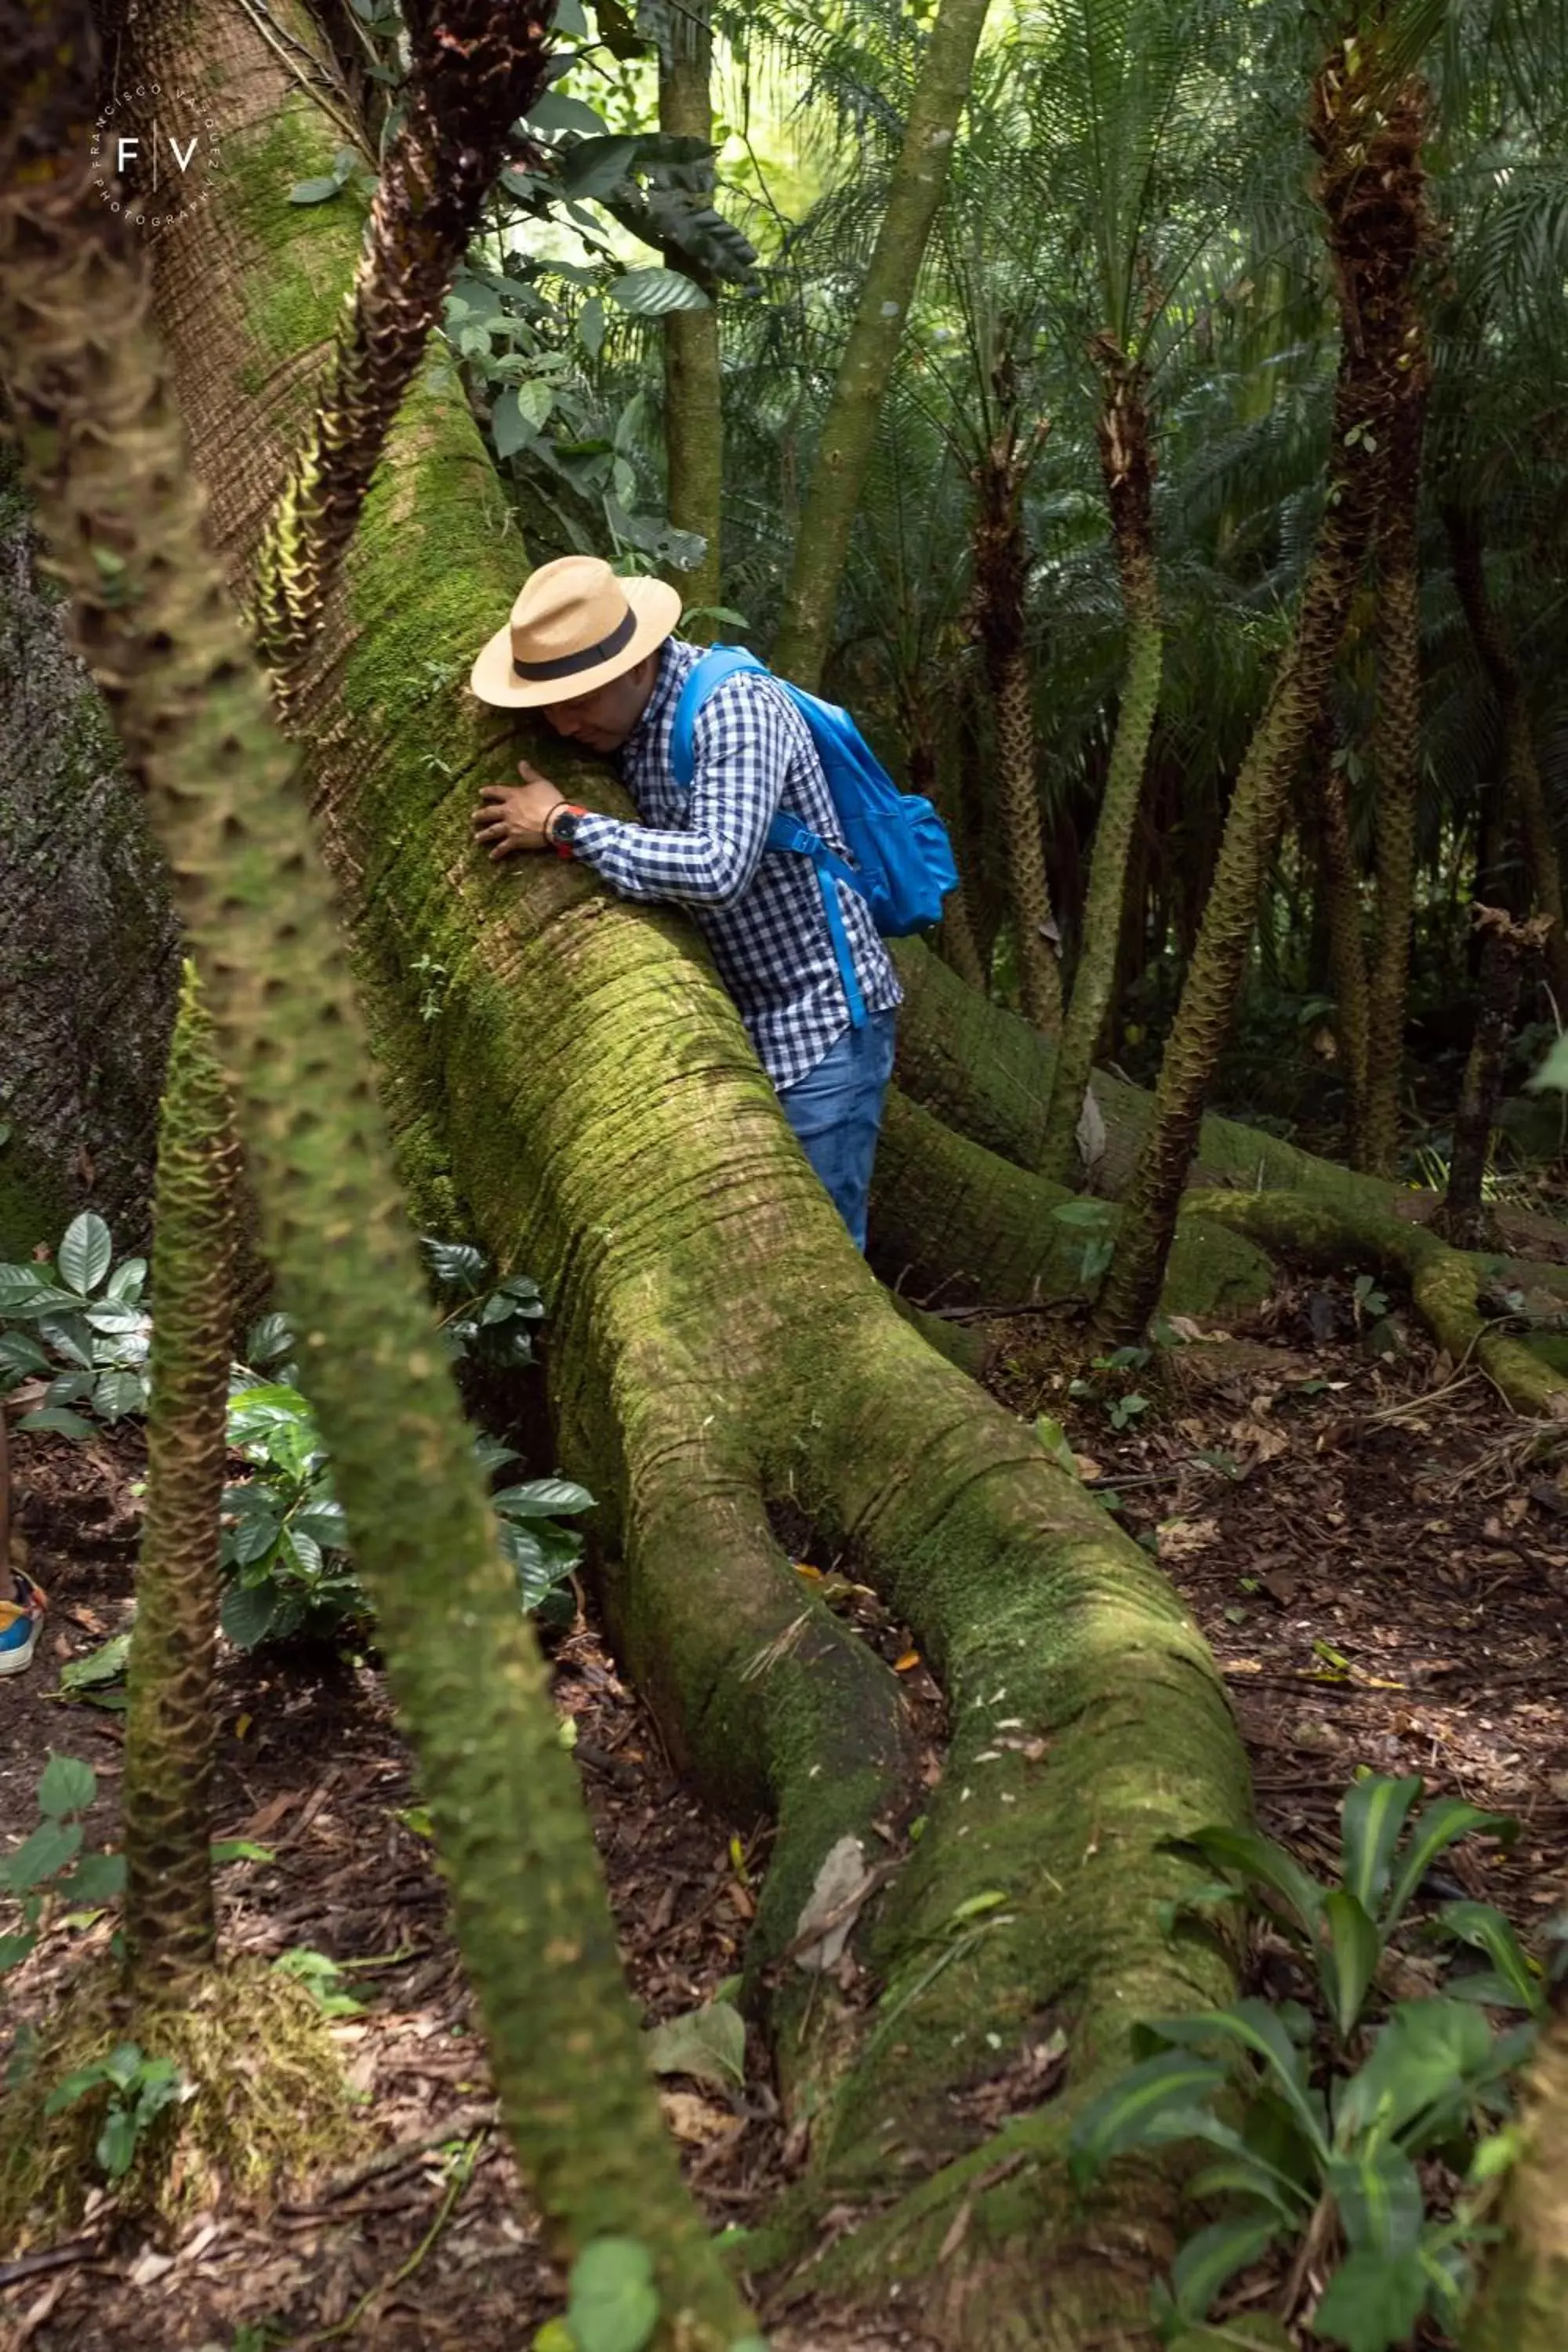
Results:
x,y
566,808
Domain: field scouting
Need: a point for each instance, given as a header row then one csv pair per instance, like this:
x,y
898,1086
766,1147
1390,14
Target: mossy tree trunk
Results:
x,y
1126,461
1521,770
1366,124
1347,949
718,1344
849,428
1523,2292
693,407
170,1936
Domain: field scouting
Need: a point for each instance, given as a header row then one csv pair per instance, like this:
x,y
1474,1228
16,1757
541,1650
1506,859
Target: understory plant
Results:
x,y
76,1321
1345,2146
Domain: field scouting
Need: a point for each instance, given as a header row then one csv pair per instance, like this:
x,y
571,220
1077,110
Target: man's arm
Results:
x,y
743,744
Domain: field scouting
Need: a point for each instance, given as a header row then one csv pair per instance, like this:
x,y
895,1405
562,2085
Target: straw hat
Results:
x,y
574,627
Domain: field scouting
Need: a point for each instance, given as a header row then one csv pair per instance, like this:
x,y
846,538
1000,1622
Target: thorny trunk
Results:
x,y
1521,770
1396,756
1001,574
585,1097
1347,950
693,414
110,471
170,1936
1370,186
1505,947
1126,463
850,428
1524,2291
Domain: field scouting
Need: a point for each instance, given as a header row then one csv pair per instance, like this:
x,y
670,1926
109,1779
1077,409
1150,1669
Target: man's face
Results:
x,y
602,721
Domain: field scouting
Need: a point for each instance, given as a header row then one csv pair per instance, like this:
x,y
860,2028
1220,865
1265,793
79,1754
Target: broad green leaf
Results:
x,y
68,1336
85,1254
1426,2056
1055,1442
105,1665
116,2142
591,326
655,293
1247,2175
67,1786
553,110
18,1353
23,1290
51,1845
97,1878
124,1284
541,1499
612,2304
255,1536
116,1393
315,192
1441,1825
324,1523
268,1337
709,2043
1259,1860
1552,1075
1122,2117
307,1553
1378,2193
1255,2026
14,1950
1372,2303
594,167
1089,1214
58,1417
1372,1814
1482,1926
114,1319
1209,2261
1349,1960
246,1613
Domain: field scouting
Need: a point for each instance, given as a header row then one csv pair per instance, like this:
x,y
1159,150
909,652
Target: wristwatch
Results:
x,y
561,826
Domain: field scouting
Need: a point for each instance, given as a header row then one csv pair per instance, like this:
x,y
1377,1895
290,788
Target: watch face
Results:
x,y
565,827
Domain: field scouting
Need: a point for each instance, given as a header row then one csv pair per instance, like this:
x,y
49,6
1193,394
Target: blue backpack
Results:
x,y
903,864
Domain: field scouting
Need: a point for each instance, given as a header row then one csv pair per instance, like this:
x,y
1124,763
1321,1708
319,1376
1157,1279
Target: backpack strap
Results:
x,y
785,832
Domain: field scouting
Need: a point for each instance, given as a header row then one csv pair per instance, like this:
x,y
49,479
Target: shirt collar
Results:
x,y
672,668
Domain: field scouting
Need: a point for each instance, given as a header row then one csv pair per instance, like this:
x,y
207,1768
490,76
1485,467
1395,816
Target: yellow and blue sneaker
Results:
x,y
21,1619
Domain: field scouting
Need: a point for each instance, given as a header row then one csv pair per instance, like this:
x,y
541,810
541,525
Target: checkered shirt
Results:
x,y
761,911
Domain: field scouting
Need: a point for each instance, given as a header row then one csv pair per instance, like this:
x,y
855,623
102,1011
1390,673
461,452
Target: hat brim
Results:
x,y
656,607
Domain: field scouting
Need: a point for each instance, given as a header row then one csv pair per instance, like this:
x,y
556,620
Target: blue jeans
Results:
x,y
835,1110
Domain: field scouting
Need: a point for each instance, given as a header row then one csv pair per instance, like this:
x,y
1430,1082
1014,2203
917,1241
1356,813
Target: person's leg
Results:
x,y
836,1111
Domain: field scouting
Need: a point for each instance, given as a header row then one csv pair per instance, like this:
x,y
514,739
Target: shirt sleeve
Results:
x,y
743,747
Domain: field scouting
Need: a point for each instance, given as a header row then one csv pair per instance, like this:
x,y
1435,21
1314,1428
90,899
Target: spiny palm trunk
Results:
x,y
1523,2292
587,1094
1347,951
170,1937
1001,571
110,471
1396,752
1368,138
850,428
1507,947
1521,769
1127,467
693,418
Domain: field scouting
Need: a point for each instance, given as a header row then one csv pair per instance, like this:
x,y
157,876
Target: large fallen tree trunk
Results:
x,y
584,1096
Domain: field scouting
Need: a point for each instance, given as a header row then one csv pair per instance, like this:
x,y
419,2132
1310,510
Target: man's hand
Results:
x,y
511,817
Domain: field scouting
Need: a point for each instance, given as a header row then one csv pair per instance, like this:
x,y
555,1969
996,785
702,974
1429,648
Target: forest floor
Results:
x,y
1375,1555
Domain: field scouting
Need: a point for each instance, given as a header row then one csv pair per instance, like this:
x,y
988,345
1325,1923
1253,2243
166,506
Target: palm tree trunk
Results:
x,y
1127,466
1505,947
1521,769
1347,951
1397,762
170,1937
848,430
1368,136
1523,2292
693,412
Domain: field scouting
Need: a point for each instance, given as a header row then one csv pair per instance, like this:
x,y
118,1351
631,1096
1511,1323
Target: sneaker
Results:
x,y
21,1619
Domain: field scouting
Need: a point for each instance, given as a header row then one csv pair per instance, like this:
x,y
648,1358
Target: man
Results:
x,y
597,656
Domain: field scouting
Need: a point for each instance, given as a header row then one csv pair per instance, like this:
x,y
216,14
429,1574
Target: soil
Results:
x,y
1375,1547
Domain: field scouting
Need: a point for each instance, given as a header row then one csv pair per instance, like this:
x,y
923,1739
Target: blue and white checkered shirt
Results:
x,y
761,912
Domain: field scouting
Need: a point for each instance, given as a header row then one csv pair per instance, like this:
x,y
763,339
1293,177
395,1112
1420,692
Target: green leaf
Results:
x,y
612,2304
104,1664
24,1291
1552,1075
51,1845
1482,1926
97,1878
20,1354
1349,1961
541,1499
14,1950
246,1611
226,1850
67,1786
268,1337
1260,2029
1257,1858
1429,2055
124,1284
1089,1214
591,326
1123,2116
1372,2303
116,2142
1209,2261
553,110
1372,1814
58,1417
1441,1825
315,192
594,167
85,1254
1378,2192
655,293
1055,1441
709,2043
116,1393
508,428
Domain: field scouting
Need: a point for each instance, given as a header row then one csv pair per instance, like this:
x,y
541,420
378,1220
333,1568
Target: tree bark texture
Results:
x,y
849,428
1347,948
1506,949
1126,460
1523,2292
170,1936
1370,187
89,950
1520,767
693,378
586,1094
109,468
